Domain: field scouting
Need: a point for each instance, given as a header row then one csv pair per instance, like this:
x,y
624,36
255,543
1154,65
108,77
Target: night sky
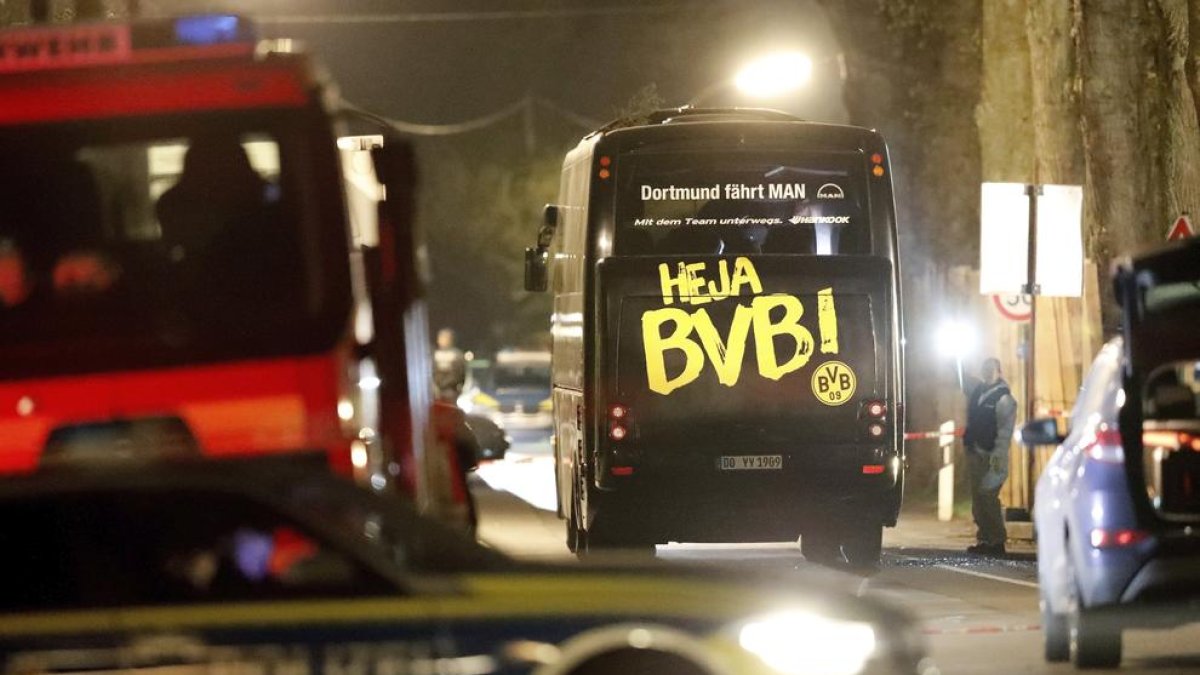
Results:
x,y
444,62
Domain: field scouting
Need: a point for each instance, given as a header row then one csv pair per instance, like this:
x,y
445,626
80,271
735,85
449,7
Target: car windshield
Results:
x,y
517,375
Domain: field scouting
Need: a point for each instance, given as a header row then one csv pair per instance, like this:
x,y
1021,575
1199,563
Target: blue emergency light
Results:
x,y
211,29
105,43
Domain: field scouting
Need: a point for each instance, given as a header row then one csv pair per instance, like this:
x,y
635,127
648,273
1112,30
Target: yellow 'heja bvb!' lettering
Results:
x,y
688,286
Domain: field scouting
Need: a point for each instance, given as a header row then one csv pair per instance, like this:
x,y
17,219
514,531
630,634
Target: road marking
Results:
x,y
983,630
993,577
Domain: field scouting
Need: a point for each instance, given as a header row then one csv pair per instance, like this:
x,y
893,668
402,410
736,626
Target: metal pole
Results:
x,y
1031,289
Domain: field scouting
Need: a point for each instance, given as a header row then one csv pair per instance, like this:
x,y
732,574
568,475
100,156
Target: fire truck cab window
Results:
x,y
151,239
218,190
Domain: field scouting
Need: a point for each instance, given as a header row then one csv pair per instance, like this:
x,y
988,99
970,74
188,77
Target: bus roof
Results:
x,y
685,123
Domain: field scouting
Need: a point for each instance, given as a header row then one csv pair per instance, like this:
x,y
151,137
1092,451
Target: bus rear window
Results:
x,y
745,201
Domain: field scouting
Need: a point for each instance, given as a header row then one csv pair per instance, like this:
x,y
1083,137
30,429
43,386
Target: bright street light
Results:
x,y
956,339
774,75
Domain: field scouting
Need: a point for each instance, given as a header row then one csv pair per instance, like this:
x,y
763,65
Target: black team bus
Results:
x,y
726,334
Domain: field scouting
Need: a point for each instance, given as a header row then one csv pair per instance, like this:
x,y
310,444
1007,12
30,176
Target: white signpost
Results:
x,y
1005,246
1031,242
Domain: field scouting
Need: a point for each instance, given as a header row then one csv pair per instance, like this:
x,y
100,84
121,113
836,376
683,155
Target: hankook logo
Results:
x,y
830,191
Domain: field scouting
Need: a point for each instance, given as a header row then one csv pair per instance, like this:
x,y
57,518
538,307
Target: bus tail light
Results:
x,y
618,422
876,409
872,469
876,430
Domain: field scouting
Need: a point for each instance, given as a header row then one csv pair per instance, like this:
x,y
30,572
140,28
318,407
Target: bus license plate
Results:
x,y
751,462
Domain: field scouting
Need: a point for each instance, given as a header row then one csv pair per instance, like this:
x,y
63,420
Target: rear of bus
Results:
x,y
746,338
174,269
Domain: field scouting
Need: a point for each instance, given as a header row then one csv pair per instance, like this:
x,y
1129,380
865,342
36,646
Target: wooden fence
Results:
x,y
1068,337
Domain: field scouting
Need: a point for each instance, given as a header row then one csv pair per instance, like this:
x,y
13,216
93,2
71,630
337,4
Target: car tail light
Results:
x,y
1102,538
1171,440
876,409
1105,446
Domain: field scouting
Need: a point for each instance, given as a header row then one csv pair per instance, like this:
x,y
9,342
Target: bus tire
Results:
x,y
573,531
820,546
612,527
862,545
577,536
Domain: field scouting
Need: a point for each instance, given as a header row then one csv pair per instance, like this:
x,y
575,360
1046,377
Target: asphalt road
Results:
x,y
979,615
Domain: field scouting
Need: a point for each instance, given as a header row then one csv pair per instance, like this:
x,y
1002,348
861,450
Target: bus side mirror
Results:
x,y
536,277
549,225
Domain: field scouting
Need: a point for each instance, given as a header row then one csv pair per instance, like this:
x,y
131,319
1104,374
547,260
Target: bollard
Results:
x,y
945,508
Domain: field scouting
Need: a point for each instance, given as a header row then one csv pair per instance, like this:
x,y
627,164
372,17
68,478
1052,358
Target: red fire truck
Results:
x,y
190,264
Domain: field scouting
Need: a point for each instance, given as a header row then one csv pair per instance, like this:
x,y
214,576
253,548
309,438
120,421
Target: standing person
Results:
x,y
449,367
991,413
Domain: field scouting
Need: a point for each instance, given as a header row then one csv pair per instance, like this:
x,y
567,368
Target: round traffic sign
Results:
x,y
1014,307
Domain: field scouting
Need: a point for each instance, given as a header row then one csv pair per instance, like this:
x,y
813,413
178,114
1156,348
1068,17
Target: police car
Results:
x,y
242,565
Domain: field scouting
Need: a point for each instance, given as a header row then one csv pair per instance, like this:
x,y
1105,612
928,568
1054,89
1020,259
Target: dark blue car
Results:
x,y
1117,508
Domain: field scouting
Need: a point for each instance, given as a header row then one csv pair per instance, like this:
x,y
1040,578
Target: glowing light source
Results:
x,y
774,75
799,643
358,455
956,339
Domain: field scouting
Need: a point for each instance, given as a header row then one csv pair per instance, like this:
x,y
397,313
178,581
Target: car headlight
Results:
x,y
805,643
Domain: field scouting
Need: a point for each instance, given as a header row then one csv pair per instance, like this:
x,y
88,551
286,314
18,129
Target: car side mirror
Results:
x,y
536,276
1043,431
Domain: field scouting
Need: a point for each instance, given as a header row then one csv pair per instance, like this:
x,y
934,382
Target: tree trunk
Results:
x,y
1054,85
1121,172
1181,142
1006,130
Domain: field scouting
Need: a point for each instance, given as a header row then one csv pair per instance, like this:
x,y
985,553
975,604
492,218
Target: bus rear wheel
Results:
x,y
577,537
857,545
613,526
820,546
863,545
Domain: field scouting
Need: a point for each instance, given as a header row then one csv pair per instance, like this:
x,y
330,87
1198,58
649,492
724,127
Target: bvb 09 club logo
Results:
x,y
834,383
